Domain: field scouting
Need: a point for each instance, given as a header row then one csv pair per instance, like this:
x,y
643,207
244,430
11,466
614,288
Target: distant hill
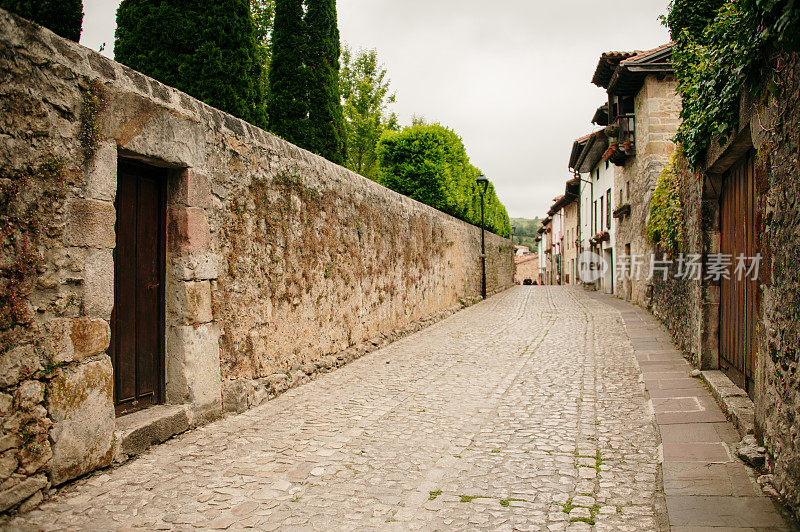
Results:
x,y
525,232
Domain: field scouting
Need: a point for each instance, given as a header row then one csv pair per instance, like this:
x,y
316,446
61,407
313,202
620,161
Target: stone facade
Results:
x,y
527,267
657,110
770,127
279,264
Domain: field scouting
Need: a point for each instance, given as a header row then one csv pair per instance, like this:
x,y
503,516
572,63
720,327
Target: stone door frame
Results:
x,y
191,355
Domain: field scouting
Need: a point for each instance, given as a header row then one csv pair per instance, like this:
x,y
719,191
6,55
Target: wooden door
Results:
x,y
137,322
737,329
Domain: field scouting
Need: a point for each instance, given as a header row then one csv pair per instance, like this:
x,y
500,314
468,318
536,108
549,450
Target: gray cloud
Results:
x,y
512,77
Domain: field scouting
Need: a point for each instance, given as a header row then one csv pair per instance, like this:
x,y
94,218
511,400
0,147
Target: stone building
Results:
x,y
526,267
743,200
254,265
640,119
565,215
595,176
620,163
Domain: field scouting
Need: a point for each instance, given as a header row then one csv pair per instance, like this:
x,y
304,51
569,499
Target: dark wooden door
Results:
x,y
137,330
737,329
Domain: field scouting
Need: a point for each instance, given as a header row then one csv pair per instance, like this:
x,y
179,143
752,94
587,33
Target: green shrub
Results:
x,y
64,17
665,225
206,48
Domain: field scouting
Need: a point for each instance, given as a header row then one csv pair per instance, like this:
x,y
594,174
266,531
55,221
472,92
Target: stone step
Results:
x,y
136,432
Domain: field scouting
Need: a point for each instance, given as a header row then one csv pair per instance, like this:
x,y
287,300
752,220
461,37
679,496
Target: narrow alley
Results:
x,y
528,411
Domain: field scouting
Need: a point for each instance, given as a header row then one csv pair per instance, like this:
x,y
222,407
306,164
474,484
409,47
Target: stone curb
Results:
x,y
732,400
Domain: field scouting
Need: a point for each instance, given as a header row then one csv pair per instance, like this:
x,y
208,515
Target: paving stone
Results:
x,y
498,417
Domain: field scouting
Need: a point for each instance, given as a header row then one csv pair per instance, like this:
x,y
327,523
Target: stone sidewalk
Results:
x,y
706,486
524,412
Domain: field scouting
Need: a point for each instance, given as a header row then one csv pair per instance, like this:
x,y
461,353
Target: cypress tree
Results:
x,y
326,121
304,99
64,17
206,48
287,104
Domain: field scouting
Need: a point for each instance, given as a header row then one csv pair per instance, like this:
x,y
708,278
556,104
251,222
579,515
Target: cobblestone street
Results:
x,y
525,412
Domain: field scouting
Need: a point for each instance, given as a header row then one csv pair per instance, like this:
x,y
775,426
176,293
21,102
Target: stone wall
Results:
x,y
775,131
675,301
770,125
279,264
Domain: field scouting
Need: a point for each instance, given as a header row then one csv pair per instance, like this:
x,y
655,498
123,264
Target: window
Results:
x,y
608,209
606,165
601,213
628,191
594,218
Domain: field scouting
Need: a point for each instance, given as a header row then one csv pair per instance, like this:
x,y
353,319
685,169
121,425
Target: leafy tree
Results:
x,y
304,105
64,17
425,163
206,48
327,135
525,231
365,91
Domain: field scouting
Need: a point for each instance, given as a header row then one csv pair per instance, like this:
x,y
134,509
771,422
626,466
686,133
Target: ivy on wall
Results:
x,y
728,56
94,102
665,225
28,200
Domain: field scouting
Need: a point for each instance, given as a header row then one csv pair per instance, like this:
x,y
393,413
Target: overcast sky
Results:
x,y
512,77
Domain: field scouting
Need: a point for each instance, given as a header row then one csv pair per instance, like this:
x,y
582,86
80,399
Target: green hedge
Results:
x,y
429,163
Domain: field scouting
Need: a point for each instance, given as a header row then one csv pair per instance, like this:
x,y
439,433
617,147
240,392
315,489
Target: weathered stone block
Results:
x,y
188,229
89,337
198,267
234,396
139,430
80,402
91,223
29,394
193,367
101,178
35,454
8,464
98,284
192,189
57,342
21,491
16,364
193,302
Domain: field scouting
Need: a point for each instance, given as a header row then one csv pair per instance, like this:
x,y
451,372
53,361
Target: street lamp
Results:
x,y
513,230
483,185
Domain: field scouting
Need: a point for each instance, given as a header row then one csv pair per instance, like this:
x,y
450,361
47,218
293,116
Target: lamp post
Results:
x,y
483,185
513,230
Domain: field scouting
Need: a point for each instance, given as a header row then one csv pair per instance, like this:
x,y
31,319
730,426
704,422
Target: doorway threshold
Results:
x,y
138,431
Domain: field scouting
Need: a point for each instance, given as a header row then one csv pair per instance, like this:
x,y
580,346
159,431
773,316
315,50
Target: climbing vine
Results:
x,y
27,199
665,225
94,102
729,56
